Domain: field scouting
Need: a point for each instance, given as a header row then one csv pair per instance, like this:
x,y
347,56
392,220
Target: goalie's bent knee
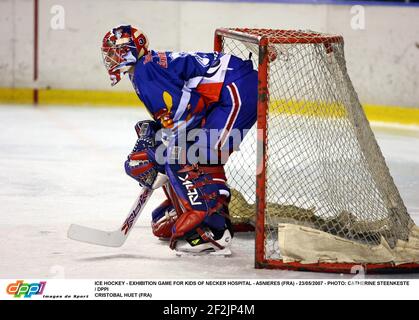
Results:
x,y
163,220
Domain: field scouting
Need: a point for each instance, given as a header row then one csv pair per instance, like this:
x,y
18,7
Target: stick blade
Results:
x,y
95,236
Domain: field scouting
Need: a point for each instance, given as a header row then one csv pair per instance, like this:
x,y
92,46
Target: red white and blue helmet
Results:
x,y
121,48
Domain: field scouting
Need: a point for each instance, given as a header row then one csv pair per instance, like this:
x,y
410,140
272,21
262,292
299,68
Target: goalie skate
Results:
x,y
196,246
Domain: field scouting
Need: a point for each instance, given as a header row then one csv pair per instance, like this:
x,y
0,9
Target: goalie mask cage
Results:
x,y
310,175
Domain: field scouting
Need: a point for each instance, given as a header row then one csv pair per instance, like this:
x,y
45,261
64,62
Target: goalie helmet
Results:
x,y
121,48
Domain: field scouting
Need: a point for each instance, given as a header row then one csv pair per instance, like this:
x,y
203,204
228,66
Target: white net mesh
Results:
x,y
324,167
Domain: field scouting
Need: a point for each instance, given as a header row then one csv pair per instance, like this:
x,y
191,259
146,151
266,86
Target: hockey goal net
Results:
x,y
310,175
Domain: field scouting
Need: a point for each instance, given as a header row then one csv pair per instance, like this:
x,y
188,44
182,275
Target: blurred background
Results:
x,y
53,46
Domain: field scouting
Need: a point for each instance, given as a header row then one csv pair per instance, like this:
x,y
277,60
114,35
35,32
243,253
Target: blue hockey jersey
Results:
x,y
178,87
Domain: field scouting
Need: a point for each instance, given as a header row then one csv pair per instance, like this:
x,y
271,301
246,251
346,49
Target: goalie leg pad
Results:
x,y
203,195
196,236
163,219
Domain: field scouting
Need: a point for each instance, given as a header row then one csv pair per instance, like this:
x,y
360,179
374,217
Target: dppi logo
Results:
x,y
27,290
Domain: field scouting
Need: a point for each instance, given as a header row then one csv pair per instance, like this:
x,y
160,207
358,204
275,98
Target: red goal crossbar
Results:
x,y
263,38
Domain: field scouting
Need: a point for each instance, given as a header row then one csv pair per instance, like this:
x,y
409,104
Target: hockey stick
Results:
x,y
114,238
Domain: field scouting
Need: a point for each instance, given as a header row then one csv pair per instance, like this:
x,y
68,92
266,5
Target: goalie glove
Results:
x,y
141,164
146,132
139,167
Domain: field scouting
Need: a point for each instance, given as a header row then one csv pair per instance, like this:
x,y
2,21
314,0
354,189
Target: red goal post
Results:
x,y
265,40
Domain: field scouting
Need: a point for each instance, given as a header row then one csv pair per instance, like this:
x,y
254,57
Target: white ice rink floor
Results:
x,y
64,165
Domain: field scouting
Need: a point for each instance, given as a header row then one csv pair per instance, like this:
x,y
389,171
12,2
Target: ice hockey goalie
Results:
x,y
202,104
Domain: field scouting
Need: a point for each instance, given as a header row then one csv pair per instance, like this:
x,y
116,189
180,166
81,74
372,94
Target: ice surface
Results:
x,y
63,165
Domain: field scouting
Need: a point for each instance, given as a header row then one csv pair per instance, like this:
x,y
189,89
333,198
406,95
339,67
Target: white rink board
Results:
x,y
382,58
